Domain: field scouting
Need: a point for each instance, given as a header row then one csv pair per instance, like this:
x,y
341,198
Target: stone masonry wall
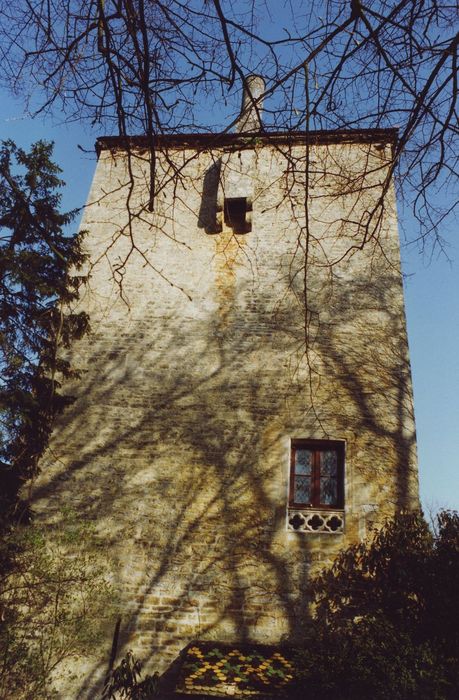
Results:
x,y
199,372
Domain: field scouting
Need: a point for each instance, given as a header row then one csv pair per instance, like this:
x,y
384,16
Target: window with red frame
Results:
x,y
317,474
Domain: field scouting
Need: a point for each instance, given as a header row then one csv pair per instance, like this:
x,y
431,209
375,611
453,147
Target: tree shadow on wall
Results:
x,y
172,458
182,453
374,381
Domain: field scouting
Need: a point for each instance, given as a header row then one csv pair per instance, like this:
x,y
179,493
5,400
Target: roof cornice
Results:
x,y
205,141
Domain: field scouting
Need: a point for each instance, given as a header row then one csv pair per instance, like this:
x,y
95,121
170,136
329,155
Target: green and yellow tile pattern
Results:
x,y
240,670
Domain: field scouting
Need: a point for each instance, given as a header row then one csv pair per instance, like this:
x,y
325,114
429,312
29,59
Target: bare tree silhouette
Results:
x,y
154,68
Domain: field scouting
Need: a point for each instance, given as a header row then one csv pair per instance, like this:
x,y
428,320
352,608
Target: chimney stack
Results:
x,y
250,116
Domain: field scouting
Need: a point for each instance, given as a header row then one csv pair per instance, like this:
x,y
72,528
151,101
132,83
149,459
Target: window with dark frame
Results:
x,y
317,474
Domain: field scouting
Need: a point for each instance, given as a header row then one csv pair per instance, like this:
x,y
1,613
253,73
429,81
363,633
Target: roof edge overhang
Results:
x,y
205,141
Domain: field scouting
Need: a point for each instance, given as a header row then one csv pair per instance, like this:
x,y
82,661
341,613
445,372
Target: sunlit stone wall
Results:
x,y
210,351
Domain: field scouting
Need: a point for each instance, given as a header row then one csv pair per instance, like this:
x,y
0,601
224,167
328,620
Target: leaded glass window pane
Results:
x,y
302,491
328,463
303,461
328,491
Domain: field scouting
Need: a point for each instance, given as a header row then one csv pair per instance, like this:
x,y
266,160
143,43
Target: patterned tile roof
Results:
x,y
235,670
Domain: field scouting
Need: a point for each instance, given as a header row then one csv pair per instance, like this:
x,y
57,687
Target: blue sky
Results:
x,y
432,308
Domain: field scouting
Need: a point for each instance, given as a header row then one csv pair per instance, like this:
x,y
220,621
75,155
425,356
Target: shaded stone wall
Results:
x,y
198,373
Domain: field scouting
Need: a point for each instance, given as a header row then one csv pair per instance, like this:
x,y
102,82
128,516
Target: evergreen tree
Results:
x,y
38,261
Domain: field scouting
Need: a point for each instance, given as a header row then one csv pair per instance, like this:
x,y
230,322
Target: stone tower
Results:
x,y
245,408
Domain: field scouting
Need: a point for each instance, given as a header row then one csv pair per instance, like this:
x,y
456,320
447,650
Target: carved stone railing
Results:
x,y
318,521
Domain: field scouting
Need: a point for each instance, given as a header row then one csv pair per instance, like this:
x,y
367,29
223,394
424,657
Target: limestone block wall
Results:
x,y
210,351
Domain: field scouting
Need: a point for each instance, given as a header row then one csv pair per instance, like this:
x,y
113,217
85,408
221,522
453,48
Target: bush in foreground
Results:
x,y
385,621
53,601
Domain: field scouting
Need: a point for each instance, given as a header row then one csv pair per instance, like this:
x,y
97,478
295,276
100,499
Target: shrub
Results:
x,y
385,617
53,598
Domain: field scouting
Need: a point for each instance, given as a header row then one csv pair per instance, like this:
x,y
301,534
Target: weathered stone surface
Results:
x,y
199,374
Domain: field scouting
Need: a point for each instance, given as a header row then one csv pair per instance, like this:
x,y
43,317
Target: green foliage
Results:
x,y
35,285
385,617
53,598
125,682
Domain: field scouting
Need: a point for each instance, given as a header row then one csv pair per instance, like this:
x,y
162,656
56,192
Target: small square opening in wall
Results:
x,y
237,213
316,496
